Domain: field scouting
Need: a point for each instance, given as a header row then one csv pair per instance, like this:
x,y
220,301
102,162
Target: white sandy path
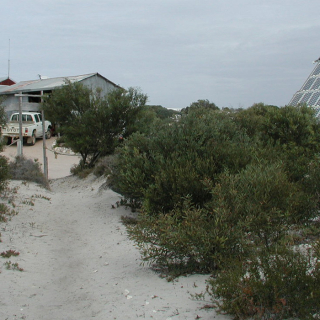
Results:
x,y
79,264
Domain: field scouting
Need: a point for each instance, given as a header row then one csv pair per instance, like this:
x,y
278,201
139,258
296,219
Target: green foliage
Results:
x,y
129,221
169,164
146,120
200,105
187,239
4,173
222,188
291,134
104,166
250,209
5,212
163,113
27,170
254,118
93,125
81,171
271,285
13,266
262,201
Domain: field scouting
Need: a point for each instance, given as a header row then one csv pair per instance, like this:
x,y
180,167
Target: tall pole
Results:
x,y
45,159
20,143
9,61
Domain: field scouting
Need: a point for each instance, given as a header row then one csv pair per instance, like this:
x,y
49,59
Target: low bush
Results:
x,y
262,202
27,170
162,168
104,166
187,239
9,253
251,209
80,171
271,285
5,212
4,172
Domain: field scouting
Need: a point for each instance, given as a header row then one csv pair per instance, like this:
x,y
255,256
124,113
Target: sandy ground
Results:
x,y
78,262
59,164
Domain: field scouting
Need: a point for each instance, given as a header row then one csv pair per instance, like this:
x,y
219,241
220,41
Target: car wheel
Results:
x,y
33,139
48,134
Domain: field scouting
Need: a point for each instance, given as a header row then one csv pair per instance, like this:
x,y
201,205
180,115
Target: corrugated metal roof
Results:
x,y
43,84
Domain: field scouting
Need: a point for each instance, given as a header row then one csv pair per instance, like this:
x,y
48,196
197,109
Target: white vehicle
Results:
x,y
31,128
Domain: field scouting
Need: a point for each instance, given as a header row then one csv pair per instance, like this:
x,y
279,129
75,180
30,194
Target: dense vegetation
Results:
x,y
233,194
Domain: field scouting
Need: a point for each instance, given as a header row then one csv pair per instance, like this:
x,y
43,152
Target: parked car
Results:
x,y
31,128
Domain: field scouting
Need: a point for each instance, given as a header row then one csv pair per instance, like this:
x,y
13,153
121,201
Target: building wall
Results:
x,y
97,81
11,105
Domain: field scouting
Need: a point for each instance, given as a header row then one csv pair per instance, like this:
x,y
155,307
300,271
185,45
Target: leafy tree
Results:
x,y
200,104
93,125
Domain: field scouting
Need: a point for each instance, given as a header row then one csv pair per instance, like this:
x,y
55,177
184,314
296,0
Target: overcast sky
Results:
x,y
231,52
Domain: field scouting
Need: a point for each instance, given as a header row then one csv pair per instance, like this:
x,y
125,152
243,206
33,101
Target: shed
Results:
x,y
46,85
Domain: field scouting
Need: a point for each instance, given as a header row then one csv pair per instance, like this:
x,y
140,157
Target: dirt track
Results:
x,y
79,264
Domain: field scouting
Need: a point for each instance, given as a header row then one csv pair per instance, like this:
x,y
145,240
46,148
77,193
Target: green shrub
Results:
x,y
104,166
186,239
80,171
262,202
274,285
293,131
170,163
249,210
27,170
5,212
4,172
231,182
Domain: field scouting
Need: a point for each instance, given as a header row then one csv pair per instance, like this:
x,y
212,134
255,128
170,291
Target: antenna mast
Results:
x,y
9,61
